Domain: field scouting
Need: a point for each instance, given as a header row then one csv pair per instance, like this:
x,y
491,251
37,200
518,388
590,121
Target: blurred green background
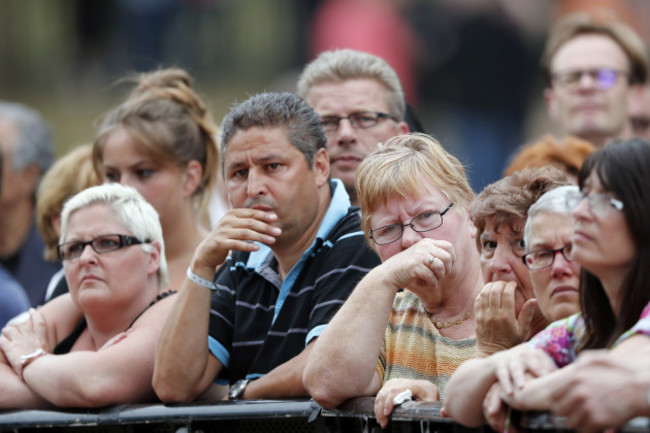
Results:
x,y
468,59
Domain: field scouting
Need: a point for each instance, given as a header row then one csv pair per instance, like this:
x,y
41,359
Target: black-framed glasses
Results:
x,y
600,204
540,259
605,78
426,221
360,120
101,245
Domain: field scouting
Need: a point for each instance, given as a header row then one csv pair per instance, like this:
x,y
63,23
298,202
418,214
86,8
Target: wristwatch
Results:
x,y
237,389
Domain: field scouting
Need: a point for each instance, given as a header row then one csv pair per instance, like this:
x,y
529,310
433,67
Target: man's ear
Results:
x,y
29,177
551,104
321,165
192,177
402,128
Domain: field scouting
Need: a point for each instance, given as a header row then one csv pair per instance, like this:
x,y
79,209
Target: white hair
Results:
x,y
130,208
553,201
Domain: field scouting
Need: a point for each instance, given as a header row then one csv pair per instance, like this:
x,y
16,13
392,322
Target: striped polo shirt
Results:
x,y
258,321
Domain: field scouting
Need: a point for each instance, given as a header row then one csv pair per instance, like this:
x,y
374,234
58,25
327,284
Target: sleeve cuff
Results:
x,y
219,351
315,332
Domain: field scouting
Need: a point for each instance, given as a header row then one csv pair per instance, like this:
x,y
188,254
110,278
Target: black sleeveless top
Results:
x,y
66,344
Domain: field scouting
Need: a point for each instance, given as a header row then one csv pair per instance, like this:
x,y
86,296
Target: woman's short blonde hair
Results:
x,y
399,167
130,209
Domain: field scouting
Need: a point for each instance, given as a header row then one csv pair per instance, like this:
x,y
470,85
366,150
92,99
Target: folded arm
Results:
x,y
119,372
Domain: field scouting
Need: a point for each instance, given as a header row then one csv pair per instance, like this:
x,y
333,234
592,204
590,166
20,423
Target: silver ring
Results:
x,y
431,259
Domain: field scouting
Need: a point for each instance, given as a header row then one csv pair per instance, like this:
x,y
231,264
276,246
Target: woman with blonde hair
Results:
x,y
94,346
161,142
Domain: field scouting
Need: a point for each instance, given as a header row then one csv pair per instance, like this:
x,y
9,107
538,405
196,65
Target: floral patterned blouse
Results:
x,y
560,339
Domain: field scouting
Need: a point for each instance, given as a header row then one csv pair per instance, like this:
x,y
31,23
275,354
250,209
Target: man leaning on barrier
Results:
x,y
290,251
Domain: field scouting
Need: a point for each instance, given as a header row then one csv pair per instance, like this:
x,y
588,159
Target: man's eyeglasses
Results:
x,y
540,259
101,245
600,204
427,221
361,120
605,78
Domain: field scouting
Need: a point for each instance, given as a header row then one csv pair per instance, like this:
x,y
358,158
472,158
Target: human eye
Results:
x,y
488,245
72,249
606,77
542,255
364,119
239,174
385,232
519,246
570,78
107,243
111,176
273,166
330,123
144,173
427,220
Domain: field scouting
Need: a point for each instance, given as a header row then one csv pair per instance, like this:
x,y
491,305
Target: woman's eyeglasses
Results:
x,y
101,245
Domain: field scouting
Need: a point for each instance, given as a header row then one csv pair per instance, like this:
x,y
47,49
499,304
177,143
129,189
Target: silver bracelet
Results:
x,y
200,281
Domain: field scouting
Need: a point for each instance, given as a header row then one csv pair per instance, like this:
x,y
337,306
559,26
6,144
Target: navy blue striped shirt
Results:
x,y
258,321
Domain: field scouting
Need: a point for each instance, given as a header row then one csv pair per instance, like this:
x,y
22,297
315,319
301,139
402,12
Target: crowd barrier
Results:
x,y
262,416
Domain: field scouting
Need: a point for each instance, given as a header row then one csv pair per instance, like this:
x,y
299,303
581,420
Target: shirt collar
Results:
x,y
337,209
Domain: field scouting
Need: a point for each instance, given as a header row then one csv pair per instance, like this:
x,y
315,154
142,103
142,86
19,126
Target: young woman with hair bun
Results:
x,y
161,141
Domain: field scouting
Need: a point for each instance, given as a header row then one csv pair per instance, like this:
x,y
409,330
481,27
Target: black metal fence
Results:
x,y
259,416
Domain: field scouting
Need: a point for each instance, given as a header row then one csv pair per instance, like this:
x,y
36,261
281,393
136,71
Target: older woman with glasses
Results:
x,y
410,322
610,241
506,310
553,273
95,345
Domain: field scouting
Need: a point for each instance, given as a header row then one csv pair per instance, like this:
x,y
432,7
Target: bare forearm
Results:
x,y
83,379
467,389
182,353
344,358
15,394
284,381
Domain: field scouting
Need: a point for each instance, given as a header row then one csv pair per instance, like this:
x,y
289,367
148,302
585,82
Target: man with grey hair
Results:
x,y
361,103
288,254
26,144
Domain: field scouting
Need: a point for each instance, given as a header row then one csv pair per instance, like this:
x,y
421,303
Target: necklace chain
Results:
x,y
441,325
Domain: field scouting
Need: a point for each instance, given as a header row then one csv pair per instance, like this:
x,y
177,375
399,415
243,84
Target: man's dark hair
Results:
x,y
269,110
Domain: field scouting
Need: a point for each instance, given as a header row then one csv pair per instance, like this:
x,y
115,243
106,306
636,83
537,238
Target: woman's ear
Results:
x,y
154,257
192,177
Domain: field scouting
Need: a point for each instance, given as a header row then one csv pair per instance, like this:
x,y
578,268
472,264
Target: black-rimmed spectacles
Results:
x,y
540,259
101,245
360,120
426,221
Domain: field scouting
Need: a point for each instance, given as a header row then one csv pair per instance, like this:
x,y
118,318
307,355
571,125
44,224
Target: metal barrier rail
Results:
x,y
299,416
